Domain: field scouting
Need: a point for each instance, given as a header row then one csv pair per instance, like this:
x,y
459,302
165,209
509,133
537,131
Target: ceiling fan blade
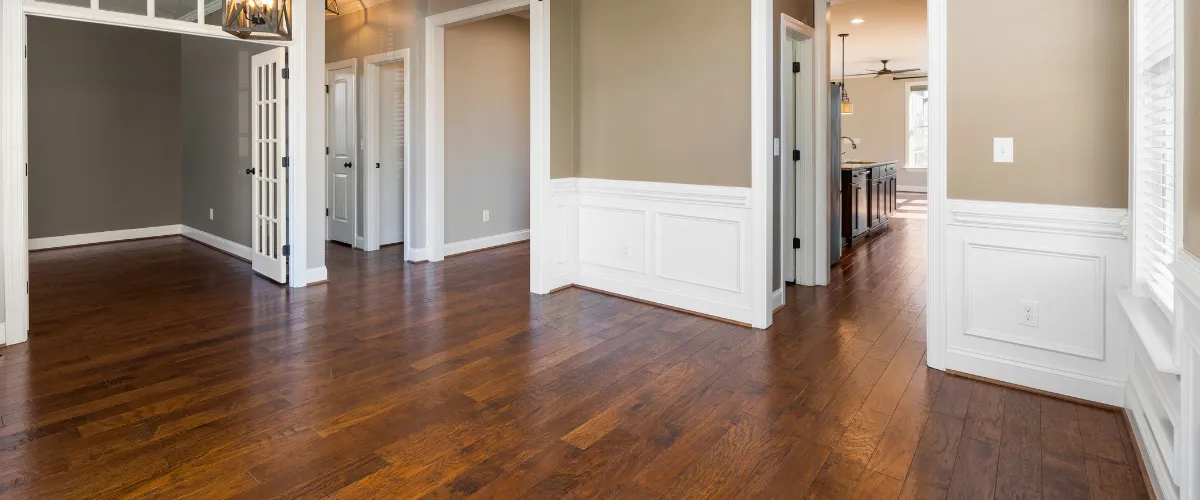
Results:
x,y
917,77
910,70
873,73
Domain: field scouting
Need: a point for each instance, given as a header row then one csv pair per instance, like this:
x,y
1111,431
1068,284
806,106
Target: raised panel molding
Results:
x,y
1088,318
1072,261
679,245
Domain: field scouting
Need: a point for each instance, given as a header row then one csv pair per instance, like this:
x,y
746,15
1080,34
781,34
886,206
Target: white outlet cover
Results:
x,y
1002,150
487,215
1028,313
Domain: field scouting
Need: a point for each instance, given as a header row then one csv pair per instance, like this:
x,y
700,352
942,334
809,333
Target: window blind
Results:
x,y
1155,143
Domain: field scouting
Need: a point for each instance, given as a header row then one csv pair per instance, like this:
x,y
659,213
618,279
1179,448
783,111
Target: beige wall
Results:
x,y
1191,166
487,128
664,91
879,125
564,85
1051,75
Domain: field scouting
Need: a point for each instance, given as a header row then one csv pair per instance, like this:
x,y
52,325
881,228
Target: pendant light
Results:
x,y
847,104
258,19
331,8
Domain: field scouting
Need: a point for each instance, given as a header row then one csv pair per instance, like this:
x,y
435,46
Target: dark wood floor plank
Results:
x,y
164,369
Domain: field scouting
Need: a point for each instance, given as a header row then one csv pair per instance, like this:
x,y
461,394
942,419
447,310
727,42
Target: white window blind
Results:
x,y
1155,143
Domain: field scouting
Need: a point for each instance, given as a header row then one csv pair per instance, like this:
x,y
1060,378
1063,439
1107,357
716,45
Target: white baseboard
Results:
x,y
777,299
235,249
360,242
317,275
417,254
102,237
486,242
680,245
912,189
4,334
1043,378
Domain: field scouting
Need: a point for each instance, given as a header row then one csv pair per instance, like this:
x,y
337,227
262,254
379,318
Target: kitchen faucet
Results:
x,y
853,144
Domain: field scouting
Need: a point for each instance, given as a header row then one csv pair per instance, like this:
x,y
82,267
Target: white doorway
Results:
x,y
341,88
803,157
388,150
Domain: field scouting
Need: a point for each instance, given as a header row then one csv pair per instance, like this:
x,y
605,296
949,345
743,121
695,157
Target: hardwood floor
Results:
x,y
163,369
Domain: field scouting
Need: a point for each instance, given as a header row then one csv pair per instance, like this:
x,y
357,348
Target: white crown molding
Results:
x,y
1059,219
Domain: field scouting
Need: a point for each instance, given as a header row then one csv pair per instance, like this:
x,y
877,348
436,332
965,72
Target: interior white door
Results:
x,y
804,167
269,172
391,152
343,148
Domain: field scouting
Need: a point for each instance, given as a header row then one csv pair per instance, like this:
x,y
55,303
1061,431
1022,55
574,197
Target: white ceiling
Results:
x,y
892,29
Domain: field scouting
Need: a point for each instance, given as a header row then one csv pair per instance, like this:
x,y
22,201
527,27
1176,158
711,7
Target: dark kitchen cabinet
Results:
x,y
868,199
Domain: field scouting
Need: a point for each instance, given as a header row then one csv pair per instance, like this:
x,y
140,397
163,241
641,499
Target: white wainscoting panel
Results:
x,y
1071,262
680,245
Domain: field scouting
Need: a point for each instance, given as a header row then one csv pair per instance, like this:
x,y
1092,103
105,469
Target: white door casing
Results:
x,y
269,174
342,159
800,127
388,150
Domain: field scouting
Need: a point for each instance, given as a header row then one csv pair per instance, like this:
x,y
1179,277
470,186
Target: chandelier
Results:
x,y
258,19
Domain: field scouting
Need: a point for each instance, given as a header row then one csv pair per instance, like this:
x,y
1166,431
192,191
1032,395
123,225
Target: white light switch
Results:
x,y
1002,150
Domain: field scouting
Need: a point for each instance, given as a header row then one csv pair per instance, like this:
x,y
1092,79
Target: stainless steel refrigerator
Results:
x,y
835,173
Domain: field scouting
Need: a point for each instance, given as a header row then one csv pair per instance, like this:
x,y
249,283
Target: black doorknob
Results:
x,y
249,171
349,165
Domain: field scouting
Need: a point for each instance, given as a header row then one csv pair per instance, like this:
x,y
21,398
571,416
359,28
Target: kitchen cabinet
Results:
x,y
868,198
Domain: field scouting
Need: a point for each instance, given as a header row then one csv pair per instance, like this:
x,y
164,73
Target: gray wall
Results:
x,y
104,128
216,135
487,128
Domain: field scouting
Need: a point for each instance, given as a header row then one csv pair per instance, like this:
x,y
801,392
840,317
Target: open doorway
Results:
x,y
154,156
388,149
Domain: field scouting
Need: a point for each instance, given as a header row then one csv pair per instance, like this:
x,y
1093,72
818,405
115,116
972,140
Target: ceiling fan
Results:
x,y
885,71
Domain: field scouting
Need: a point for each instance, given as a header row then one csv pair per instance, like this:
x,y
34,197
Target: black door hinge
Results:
x,y
326,149
795,155
795,67
287,250
327,212
26,169
287,73
326,89
285,162
795,242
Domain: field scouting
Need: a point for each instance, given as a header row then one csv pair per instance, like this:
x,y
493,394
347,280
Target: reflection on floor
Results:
x,y
163,369
911,206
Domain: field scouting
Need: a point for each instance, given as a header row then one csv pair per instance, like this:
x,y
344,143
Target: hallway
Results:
x,y
163,369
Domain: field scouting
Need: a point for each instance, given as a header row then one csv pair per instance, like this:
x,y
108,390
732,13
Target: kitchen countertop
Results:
x,y
861,166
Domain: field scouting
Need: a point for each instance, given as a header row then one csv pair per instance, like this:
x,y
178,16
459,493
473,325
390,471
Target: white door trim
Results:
x,y
762,159
797,214
935,333
435,137
371,201
353,107
14,150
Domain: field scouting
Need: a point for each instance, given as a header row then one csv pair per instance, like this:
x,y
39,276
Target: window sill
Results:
x,y
916,167
1152,328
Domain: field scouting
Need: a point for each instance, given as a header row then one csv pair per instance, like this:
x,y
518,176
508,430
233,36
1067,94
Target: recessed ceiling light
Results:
x,y
857,20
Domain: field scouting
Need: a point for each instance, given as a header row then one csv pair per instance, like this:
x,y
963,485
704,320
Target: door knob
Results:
x,y
249,171
349,165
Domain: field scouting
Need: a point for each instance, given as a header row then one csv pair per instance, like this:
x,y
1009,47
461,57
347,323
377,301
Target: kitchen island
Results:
x,y
868,197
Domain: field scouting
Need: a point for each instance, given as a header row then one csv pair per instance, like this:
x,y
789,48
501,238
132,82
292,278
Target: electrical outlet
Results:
x,y
487,215
210,214
627,251
1027,313
1002,150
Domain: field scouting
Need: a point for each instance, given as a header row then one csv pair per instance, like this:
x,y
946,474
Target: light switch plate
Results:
x,y
1002,150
